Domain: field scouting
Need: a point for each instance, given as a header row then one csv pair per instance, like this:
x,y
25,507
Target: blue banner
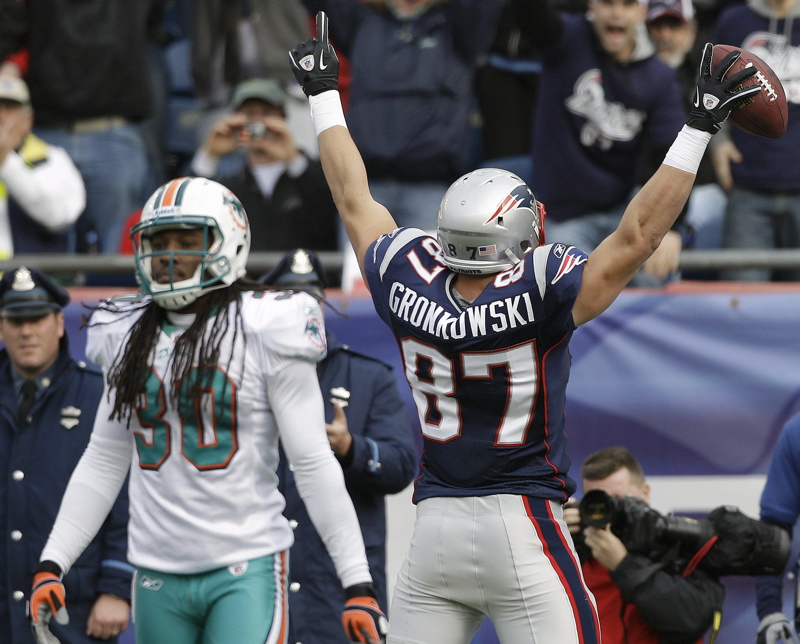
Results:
x,y
697,383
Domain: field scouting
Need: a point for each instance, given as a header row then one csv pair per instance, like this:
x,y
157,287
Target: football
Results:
x,y
766,113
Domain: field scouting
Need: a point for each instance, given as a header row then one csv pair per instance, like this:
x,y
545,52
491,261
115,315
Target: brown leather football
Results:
x,y
765,113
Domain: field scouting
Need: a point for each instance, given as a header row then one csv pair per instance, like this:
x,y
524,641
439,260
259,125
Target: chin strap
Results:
x,y
511,256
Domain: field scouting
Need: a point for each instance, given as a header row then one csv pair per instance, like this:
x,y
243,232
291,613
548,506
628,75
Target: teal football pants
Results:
x,y
241,604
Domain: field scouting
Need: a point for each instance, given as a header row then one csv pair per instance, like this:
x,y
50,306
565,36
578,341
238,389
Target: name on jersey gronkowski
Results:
x,y
476,321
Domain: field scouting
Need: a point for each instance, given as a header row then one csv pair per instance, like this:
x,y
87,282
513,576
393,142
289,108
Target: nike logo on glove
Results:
x,y
322,65
696,97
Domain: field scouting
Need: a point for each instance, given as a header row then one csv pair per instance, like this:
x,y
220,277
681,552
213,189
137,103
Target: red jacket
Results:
x,y
620,622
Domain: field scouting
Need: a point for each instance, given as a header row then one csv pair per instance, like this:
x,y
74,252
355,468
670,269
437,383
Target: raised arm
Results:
x,y
653,210
316,67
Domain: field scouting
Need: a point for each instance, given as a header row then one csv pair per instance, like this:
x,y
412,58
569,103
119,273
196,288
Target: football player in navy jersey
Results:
x,y
483,316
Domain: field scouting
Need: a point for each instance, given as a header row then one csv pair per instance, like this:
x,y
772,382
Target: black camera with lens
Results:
x,y
727,541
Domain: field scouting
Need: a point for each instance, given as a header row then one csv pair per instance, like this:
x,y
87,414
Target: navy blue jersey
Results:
x,y
489,381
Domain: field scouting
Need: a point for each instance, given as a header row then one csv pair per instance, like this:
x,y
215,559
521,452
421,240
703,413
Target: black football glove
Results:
x,y
314,62
715,96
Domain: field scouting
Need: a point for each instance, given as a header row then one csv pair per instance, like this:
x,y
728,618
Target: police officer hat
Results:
x,y
29,293
299,270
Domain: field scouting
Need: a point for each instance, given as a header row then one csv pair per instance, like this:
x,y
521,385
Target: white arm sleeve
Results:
x,y
92,490
297,403
51,193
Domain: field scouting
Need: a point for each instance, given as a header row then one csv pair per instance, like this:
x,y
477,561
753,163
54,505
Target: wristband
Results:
x,y
326,110
688,149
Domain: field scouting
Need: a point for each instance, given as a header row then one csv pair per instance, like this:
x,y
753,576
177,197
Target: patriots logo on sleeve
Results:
x,y
570,258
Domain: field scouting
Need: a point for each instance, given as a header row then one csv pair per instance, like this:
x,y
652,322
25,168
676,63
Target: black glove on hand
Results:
x,y
314,62
715,95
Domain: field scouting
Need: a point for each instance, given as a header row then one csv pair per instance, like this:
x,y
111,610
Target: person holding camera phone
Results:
x,y
282,190
639,599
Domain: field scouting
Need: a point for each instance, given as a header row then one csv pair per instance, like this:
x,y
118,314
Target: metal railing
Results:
x,y
123,264
691,260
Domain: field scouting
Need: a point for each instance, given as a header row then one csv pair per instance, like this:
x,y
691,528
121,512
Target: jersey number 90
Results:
x,y
208,422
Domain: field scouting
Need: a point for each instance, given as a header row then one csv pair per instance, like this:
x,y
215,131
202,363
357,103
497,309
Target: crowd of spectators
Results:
x,y
433,88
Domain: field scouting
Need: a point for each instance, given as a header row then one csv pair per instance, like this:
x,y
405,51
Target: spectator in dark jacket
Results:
x,y
370,433
282,190
412,66
47,408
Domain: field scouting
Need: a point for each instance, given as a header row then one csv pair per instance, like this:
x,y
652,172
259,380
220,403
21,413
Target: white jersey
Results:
x,y
203,488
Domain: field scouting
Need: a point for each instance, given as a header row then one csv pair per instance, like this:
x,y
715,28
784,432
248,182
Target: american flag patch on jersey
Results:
x,y
487,250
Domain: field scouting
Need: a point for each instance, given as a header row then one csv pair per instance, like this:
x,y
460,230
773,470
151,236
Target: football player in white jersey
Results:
x,y
483,317
205,371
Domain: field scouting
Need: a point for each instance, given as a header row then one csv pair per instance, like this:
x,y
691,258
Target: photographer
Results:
x,y
282,190
640,599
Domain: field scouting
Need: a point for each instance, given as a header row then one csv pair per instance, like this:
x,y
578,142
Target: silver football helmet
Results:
x,y
488,220
192,203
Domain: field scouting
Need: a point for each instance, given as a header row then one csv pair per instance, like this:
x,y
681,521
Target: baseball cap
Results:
x,y
27,292
14,89
263,89
680,9
299,270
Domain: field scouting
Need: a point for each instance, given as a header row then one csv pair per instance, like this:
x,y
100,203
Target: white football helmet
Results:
x,y
193,203
488,220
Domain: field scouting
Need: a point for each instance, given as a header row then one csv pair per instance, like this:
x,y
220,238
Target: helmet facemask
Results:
x,y
209,207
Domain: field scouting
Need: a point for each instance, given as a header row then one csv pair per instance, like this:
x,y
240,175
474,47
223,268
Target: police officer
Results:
x,y
47,407
371,435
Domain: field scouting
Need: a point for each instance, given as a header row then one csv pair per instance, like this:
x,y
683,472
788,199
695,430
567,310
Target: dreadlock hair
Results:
x,y
129,372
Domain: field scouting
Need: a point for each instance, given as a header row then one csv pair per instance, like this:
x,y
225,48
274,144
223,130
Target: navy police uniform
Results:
x,y
37,455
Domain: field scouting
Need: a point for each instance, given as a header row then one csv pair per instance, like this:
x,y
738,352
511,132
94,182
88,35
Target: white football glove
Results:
x,y
41,631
